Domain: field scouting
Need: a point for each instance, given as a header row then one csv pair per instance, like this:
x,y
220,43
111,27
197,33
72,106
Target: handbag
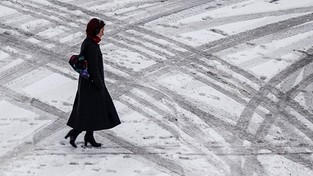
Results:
x,y
80,65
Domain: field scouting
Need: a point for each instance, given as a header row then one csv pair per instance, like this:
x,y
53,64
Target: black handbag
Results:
x,y
80,65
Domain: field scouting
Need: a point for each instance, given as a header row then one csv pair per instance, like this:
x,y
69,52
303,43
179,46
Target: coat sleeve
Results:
x,y
93,67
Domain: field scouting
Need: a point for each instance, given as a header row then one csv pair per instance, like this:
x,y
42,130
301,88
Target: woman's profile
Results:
x,y
93,107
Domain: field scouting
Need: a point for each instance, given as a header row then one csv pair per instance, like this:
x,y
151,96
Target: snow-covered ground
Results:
x,y
203,87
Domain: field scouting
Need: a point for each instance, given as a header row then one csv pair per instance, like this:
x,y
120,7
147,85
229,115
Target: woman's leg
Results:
x,y
73,135
89,138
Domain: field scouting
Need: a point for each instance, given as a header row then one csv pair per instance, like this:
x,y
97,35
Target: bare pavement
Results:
x,y
203,87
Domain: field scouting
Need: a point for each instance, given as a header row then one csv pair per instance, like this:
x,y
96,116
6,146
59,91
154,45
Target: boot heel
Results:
x,y
89,138
73,135
68,135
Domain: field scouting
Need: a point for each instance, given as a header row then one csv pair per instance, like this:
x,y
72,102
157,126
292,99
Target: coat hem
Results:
x,y
94,129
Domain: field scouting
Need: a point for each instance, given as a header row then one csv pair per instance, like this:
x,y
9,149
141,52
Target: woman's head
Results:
x,y
95,27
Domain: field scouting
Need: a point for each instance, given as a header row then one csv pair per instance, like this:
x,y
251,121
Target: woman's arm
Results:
x,y
93,68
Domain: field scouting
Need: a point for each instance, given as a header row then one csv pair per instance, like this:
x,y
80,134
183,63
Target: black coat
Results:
x,y
93,107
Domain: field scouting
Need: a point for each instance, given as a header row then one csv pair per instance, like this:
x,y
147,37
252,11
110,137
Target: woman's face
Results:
x,y
100,34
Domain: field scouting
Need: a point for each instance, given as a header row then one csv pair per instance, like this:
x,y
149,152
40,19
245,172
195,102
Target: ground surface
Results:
x,y
202,87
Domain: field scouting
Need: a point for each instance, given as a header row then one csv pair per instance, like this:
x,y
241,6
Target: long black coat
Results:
x,y
93,107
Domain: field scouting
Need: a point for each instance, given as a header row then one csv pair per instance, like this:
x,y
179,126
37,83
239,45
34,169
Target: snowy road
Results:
x,y
203,87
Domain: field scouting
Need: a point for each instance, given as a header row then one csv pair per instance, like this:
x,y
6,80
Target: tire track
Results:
x,y
163,46
158,67
61,49
196,53
156,50
211,22
266,89
279,94
225,129
191,130
185,6
129,46
30,10
291,94
268,104
59,124
39,104
157,161
236,39
85,11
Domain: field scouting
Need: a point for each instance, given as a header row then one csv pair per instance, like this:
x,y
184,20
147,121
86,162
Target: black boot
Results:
x,y
73,135
89,138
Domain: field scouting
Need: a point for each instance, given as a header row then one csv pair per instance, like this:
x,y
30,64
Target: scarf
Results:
x,y
95,38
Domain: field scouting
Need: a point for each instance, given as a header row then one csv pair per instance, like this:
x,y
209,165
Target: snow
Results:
x,y
197,38
164,86
52,32
6,11
34,24
206,98
11,64
256,61
277,165
161,41
3,55
33,40
16,125
28,79
237,27
150,136
255,123
45,90
71,37
127,58
249,7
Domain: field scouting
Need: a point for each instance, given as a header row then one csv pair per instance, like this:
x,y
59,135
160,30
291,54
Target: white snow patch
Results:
x,y
55,90
276,165
158,40
6,11
127,58
52,32
248,58
255,123
269,69
118,72
33,40
17,124
10,49
238,27
205,97
28,78
200,37
300,118
71,37
3,55
144,131
248,7
34,24
11,64
43,2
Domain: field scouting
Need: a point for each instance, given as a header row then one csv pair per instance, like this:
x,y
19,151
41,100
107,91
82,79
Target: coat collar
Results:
x,y
95,39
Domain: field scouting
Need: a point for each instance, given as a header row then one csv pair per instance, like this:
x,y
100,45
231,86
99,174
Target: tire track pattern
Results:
x,y
235,134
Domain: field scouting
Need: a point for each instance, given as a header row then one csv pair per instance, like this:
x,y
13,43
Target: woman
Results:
x,y
93,107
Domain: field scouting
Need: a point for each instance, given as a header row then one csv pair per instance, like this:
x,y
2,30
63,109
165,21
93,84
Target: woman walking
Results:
x,y
93,107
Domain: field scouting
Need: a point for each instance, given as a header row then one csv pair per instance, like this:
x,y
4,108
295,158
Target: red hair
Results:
x,y
94,26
